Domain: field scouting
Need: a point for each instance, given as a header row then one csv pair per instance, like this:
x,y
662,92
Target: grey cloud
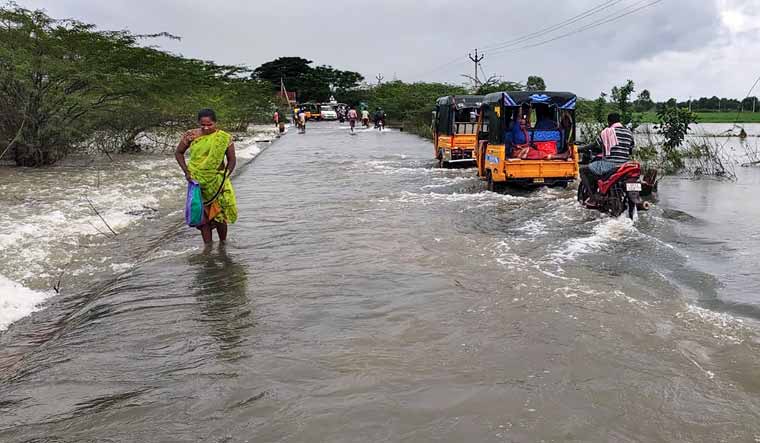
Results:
x,y
410,38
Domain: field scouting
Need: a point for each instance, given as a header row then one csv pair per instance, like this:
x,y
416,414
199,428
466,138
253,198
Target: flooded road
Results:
x,y
366,296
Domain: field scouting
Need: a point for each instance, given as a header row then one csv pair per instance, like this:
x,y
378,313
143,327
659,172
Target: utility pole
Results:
x,y
477,59
379,78
689,103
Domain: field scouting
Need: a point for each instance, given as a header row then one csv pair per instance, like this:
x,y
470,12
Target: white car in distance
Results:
x,y
328,112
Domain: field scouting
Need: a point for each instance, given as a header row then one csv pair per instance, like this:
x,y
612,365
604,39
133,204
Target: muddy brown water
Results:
x,y
366,296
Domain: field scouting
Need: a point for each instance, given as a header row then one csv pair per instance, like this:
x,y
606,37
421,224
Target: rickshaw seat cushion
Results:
x,y
546,148
547,136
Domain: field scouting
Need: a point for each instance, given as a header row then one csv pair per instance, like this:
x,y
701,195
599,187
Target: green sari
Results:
x,y
207,154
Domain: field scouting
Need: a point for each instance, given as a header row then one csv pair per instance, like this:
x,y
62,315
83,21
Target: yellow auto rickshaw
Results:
x,y
527,138
455,122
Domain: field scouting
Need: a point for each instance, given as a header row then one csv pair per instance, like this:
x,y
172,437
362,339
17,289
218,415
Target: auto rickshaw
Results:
x,y
455,129
311,111
527,138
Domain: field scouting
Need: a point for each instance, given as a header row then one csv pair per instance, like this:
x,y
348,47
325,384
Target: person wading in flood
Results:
x,y
352,116
208,148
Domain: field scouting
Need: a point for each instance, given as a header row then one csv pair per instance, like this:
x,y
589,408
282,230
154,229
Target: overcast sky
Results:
x,y
676,48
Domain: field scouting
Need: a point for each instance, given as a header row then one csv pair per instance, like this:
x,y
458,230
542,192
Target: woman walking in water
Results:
x,y
209,147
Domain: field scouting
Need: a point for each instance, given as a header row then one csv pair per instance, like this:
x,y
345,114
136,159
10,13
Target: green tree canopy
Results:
x,y
621,96
309,83
64,81
535,83
498,87
644,101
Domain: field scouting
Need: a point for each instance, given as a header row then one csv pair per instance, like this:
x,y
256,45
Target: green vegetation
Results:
x,y
64,83
410,105
309,84
621,96
535,83
673,125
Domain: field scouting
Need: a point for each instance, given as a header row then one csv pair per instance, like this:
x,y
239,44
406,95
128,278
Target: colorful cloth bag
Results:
x,y
195,215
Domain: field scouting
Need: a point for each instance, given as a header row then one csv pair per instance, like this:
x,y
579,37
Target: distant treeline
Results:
x,y
644,103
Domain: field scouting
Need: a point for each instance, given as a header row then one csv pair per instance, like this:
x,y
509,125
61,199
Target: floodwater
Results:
x,y
366,296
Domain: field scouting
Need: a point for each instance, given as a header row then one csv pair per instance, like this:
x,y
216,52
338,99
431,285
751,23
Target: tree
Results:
x,y
621,96
498,87
535,83
63,83
309,83
600,109
56,77
643,102
673,125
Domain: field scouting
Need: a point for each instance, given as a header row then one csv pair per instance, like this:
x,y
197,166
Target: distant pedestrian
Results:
x,y
352,117
365,118
276,118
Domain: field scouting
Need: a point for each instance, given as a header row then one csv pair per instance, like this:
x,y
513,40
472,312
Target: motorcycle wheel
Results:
x,y
618,202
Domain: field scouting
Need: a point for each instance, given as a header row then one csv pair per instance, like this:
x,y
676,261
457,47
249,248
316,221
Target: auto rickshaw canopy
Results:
x,y
514,99
452,116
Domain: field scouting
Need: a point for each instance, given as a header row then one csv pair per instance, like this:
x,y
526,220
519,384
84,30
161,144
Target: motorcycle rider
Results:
x,y
365,118
379,118
614,146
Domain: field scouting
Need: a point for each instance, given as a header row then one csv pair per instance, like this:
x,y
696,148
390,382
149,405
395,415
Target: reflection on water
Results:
x,y
221,285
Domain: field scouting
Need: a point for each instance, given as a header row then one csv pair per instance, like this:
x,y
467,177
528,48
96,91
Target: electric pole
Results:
x,y
477,59
379,78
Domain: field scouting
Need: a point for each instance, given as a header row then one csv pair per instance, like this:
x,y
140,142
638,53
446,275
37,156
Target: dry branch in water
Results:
x,y
753,154
101,217
15,139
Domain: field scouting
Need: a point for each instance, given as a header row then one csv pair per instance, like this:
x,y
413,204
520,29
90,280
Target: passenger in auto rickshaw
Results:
x,y
544,141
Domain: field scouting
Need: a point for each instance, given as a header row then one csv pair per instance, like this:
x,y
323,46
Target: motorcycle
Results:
x,y
379,124
617,194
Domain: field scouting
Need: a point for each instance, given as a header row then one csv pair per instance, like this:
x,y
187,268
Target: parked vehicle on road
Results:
x,y
327,112
513,150
311,110
455,125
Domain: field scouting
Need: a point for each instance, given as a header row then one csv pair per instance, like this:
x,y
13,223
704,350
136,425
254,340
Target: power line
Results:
x,y
608,19
559,25
741,105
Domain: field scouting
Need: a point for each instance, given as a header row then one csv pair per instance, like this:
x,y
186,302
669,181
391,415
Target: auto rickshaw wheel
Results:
x,y
492,185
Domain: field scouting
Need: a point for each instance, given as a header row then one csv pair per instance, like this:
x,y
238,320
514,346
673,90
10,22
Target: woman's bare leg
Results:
x,y
221,229
206,233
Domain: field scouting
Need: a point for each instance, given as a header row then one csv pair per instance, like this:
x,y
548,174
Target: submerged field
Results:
x,y
711,117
